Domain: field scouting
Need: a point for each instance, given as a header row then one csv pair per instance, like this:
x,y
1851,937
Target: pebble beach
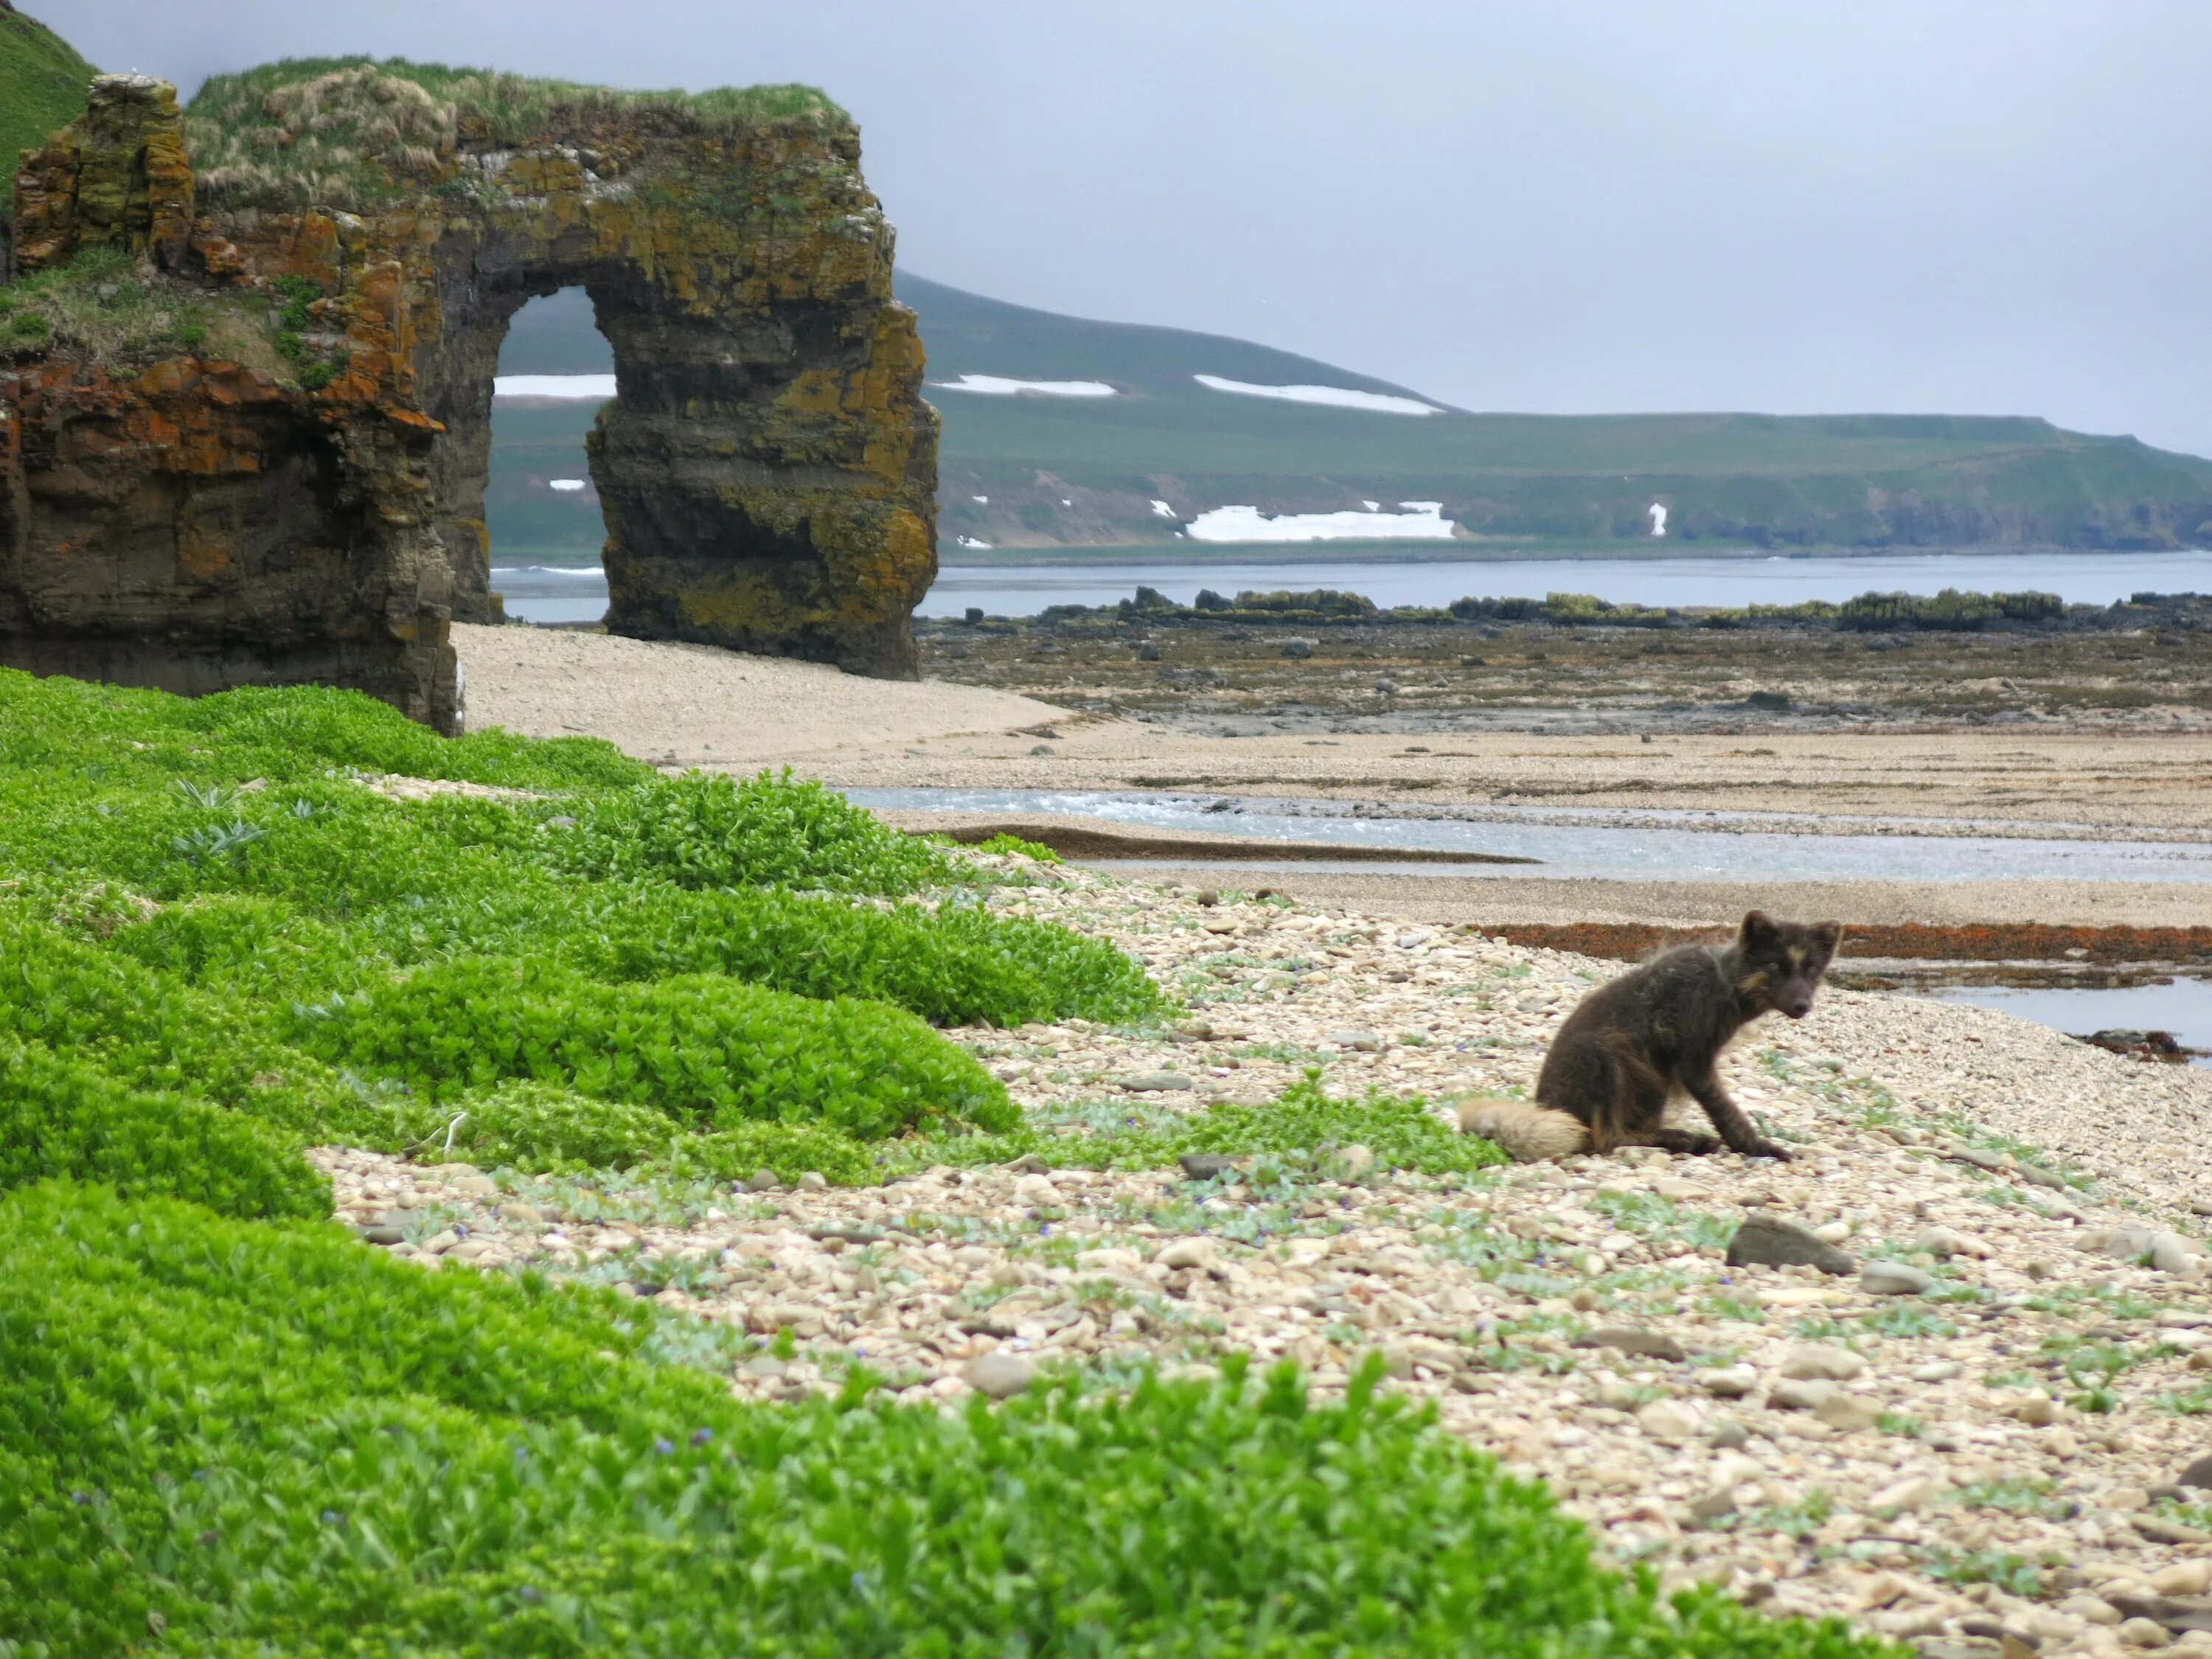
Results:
x,y
1980,1422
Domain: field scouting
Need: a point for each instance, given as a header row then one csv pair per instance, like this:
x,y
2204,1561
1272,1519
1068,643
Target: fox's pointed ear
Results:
x,y
1830,935
1758,926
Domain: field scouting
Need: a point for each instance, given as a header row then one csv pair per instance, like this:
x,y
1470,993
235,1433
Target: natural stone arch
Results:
x,y
767,471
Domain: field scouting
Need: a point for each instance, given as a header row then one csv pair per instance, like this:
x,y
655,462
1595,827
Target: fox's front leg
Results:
x,y
1728,1117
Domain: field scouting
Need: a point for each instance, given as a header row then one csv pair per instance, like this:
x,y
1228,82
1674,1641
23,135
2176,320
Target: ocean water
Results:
x,y
537,594
2181,1007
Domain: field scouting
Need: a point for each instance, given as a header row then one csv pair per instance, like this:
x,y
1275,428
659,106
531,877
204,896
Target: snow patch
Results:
x,y
998,385
1163,510
598,387
969,541
1338,397
1425,522
1372,506
1658,510
566,486
981,500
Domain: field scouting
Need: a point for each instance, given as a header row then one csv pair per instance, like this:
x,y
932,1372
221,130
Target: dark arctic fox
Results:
x,y
1631,1043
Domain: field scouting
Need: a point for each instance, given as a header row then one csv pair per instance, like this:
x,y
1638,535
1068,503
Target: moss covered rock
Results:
x,y
298,495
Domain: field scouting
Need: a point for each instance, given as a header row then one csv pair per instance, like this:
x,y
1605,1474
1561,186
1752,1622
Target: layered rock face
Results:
x,y
291,490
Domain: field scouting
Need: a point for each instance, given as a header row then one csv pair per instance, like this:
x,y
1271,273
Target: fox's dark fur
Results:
x,y
1632,1043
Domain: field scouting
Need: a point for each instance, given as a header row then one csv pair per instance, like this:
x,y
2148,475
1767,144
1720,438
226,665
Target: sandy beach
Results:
x,y
681,705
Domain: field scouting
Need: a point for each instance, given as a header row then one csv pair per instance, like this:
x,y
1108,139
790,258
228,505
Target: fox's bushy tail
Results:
x,y
1529,1132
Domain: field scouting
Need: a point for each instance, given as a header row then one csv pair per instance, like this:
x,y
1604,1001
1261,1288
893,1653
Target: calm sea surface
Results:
x,y
536,594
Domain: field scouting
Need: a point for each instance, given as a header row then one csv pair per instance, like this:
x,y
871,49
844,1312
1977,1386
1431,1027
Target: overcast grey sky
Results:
x,y
1991,206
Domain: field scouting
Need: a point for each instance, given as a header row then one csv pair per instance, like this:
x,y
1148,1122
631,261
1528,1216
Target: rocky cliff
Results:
x,y
248,392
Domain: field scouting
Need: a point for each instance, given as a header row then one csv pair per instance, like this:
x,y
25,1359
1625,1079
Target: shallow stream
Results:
x,y
1647,845
1624,846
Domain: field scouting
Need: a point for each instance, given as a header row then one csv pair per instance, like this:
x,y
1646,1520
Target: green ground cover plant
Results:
x,y
952,964
281,1441
58,1118
704,1049
719,832
223,899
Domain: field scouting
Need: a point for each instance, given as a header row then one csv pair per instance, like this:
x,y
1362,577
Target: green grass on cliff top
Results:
x,y
512,108
42,86
355,131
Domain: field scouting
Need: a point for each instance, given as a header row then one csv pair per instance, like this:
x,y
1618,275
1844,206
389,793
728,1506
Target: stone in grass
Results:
x,y
1769,1242
1790,1394
2169,1254
1156,1082
2183,1578
1365,1042
1848,1413
2199,1473
1915,1492
1728,1383
763,1181
1634,1339
1207,1166
997,1373
1894,1279
1716,1505
1668,1421
1821,1360
1354,1161
2163,1613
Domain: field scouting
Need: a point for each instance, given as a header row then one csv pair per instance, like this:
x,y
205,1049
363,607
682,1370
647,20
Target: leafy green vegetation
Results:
x,y
280,1441
42,88
706,1049
533,953
715,832
1003,842
61,1119
355,131
951,963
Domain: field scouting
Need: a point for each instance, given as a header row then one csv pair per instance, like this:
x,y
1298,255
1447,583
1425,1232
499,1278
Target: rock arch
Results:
x,y
767,470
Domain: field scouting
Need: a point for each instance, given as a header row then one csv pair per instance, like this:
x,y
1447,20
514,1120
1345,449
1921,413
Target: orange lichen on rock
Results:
x,y
768,474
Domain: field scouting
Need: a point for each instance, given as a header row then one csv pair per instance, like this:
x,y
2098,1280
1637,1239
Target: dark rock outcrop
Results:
x,y
290,487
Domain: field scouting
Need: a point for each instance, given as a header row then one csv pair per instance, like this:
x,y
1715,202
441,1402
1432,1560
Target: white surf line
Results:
x,y
1422,521
1338,397
998,385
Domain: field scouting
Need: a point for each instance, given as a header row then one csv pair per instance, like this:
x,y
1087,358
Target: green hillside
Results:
x,y
1072,473
42,85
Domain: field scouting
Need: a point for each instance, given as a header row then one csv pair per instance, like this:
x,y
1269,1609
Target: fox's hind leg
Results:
x,y
1635,1106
